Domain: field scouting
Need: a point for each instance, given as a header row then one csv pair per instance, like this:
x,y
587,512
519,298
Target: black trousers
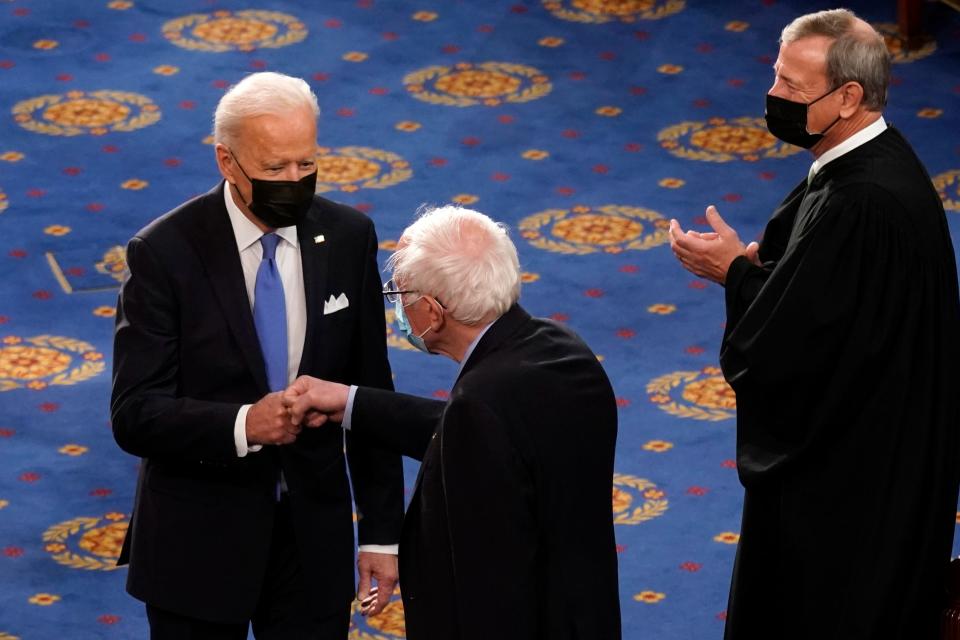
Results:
x,y
284,612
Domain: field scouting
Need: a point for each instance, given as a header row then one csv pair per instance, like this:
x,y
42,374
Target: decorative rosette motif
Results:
x,y
79,112
42,361
724,140
352,168
636,500
601,11
235,31
87,543
583,230
704,394
488,83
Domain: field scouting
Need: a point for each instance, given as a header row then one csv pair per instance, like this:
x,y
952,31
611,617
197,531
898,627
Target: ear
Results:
x,y
852,93
437,315
226,163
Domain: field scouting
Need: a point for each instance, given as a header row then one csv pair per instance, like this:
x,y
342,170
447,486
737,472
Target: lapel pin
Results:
x,y
318,239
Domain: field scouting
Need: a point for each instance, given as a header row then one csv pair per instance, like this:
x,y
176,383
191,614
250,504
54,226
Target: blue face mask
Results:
x,y
404,326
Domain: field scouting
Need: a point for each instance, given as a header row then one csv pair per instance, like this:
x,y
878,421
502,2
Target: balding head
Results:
x,y
463,259
857,53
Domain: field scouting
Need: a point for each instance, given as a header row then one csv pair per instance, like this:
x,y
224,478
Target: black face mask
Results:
x,y
280,203
787,120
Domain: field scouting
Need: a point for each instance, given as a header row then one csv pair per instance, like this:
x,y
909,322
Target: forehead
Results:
x,y
293,134
804,59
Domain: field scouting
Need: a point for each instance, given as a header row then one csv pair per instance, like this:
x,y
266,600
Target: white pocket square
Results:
x,y
334,304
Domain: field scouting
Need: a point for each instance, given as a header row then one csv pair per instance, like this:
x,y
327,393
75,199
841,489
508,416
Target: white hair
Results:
x,y
260,94
463,259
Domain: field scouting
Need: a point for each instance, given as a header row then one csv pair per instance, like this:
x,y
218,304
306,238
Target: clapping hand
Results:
x,y
709,254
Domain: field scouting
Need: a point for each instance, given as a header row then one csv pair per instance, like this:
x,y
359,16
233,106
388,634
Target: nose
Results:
x,y
777,88
292,172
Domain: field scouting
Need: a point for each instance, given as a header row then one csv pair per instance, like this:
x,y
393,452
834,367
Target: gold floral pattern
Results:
x,y
704,394
650,597
113,264
727,537
46,360
87,543
488,83
78,112
391,620
352,168
43,599
653,501
583,230
722,140
601,11
234,31
948,186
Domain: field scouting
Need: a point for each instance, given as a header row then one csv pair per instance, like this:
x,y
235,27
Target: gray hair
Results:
x,y
462,258
855,55
260,94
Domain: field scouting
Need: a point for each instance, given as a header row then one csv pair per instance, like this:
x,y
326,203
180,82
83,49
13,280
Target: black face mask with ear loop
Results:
x,y
280,203
787,120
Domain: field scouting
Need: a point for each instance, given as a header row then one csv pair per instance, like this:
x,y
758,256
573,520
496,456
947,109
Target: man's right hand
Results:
x,y
268,421
312,401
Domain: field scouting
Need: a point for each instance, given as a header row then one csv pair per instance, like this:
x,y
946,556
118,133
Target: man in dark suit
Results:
x,y
239,516
509,533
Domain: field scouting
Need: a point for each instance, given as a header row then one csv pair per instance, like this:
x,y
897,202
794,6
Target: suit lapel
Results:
x,y
314,241
217,247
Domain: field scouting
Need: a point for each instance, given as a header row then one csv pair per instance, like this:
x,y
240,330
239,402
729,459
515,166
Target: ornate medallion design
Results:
x,y
235,31
42,361
704,394
601,11
87,543
79,112
583,230
723,140
467,84
636,500
352,168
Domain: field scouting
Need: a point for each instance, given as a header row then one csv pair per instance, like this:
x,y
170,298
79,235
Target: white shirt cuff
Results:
x,y
347,421
393,549
240,433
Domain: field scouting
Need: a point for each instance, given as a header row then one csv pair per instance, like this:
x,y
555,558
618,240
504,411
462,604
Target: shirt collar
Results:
x,y
471,347
861,137
247,233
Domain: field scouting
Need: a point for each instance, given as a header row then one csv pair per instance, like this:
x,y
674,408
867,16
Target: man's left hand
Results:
x,y
709,255
381,567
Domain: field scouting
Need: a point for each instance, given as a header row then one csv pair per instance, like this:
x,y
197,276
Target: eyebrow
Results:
x,y
786,79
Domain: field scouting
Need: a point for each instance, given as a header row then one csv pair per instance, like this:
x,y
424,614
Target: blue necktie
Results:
x,y
270,315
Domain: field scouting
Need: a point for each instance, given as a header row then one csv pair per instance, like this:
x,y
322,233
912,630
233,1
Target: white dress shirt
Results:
x,y
290,266
248,236
861,137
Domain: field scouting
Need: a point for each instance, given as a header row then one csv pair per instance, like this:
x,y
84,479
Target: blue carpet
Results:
x,y
583,130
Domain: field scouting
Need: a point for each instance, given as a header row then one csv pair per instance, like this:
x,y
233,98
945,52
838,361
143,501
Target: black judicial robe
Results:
x,y
843,351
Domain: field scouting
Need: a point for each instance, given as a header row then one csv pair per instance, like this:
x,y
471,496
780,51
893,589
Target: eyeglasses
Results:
x,y
391,292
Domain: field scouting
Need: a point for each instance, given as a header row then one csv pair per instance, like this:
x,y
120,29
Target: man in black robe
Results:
x,y
842,346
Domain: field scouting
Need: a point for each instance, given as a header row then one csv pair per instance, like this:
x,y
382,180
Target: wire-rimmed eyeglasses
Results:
x,y
392,293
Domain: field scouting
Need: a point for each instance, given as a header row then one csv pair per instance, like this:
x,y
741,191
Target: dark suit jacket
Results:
x,y
510,532
186,357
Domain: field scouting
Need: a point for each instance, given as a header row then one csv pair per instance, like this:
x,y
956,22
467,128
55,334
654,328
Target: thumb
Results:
x,y
363,587
752,252
721,227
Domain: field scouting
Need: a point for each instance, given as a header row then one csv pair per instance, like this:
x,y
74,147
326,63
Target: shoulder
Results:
x,y
338,215
184,219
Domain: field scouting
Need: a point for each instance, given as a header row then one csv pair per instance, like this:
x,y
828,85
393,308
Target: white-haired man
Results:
x,y
239,516
509,533
842,346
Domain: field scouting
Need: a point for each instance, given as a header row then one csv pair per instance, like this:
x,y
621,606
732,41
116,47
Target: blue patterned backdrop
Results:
x,y
583,124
